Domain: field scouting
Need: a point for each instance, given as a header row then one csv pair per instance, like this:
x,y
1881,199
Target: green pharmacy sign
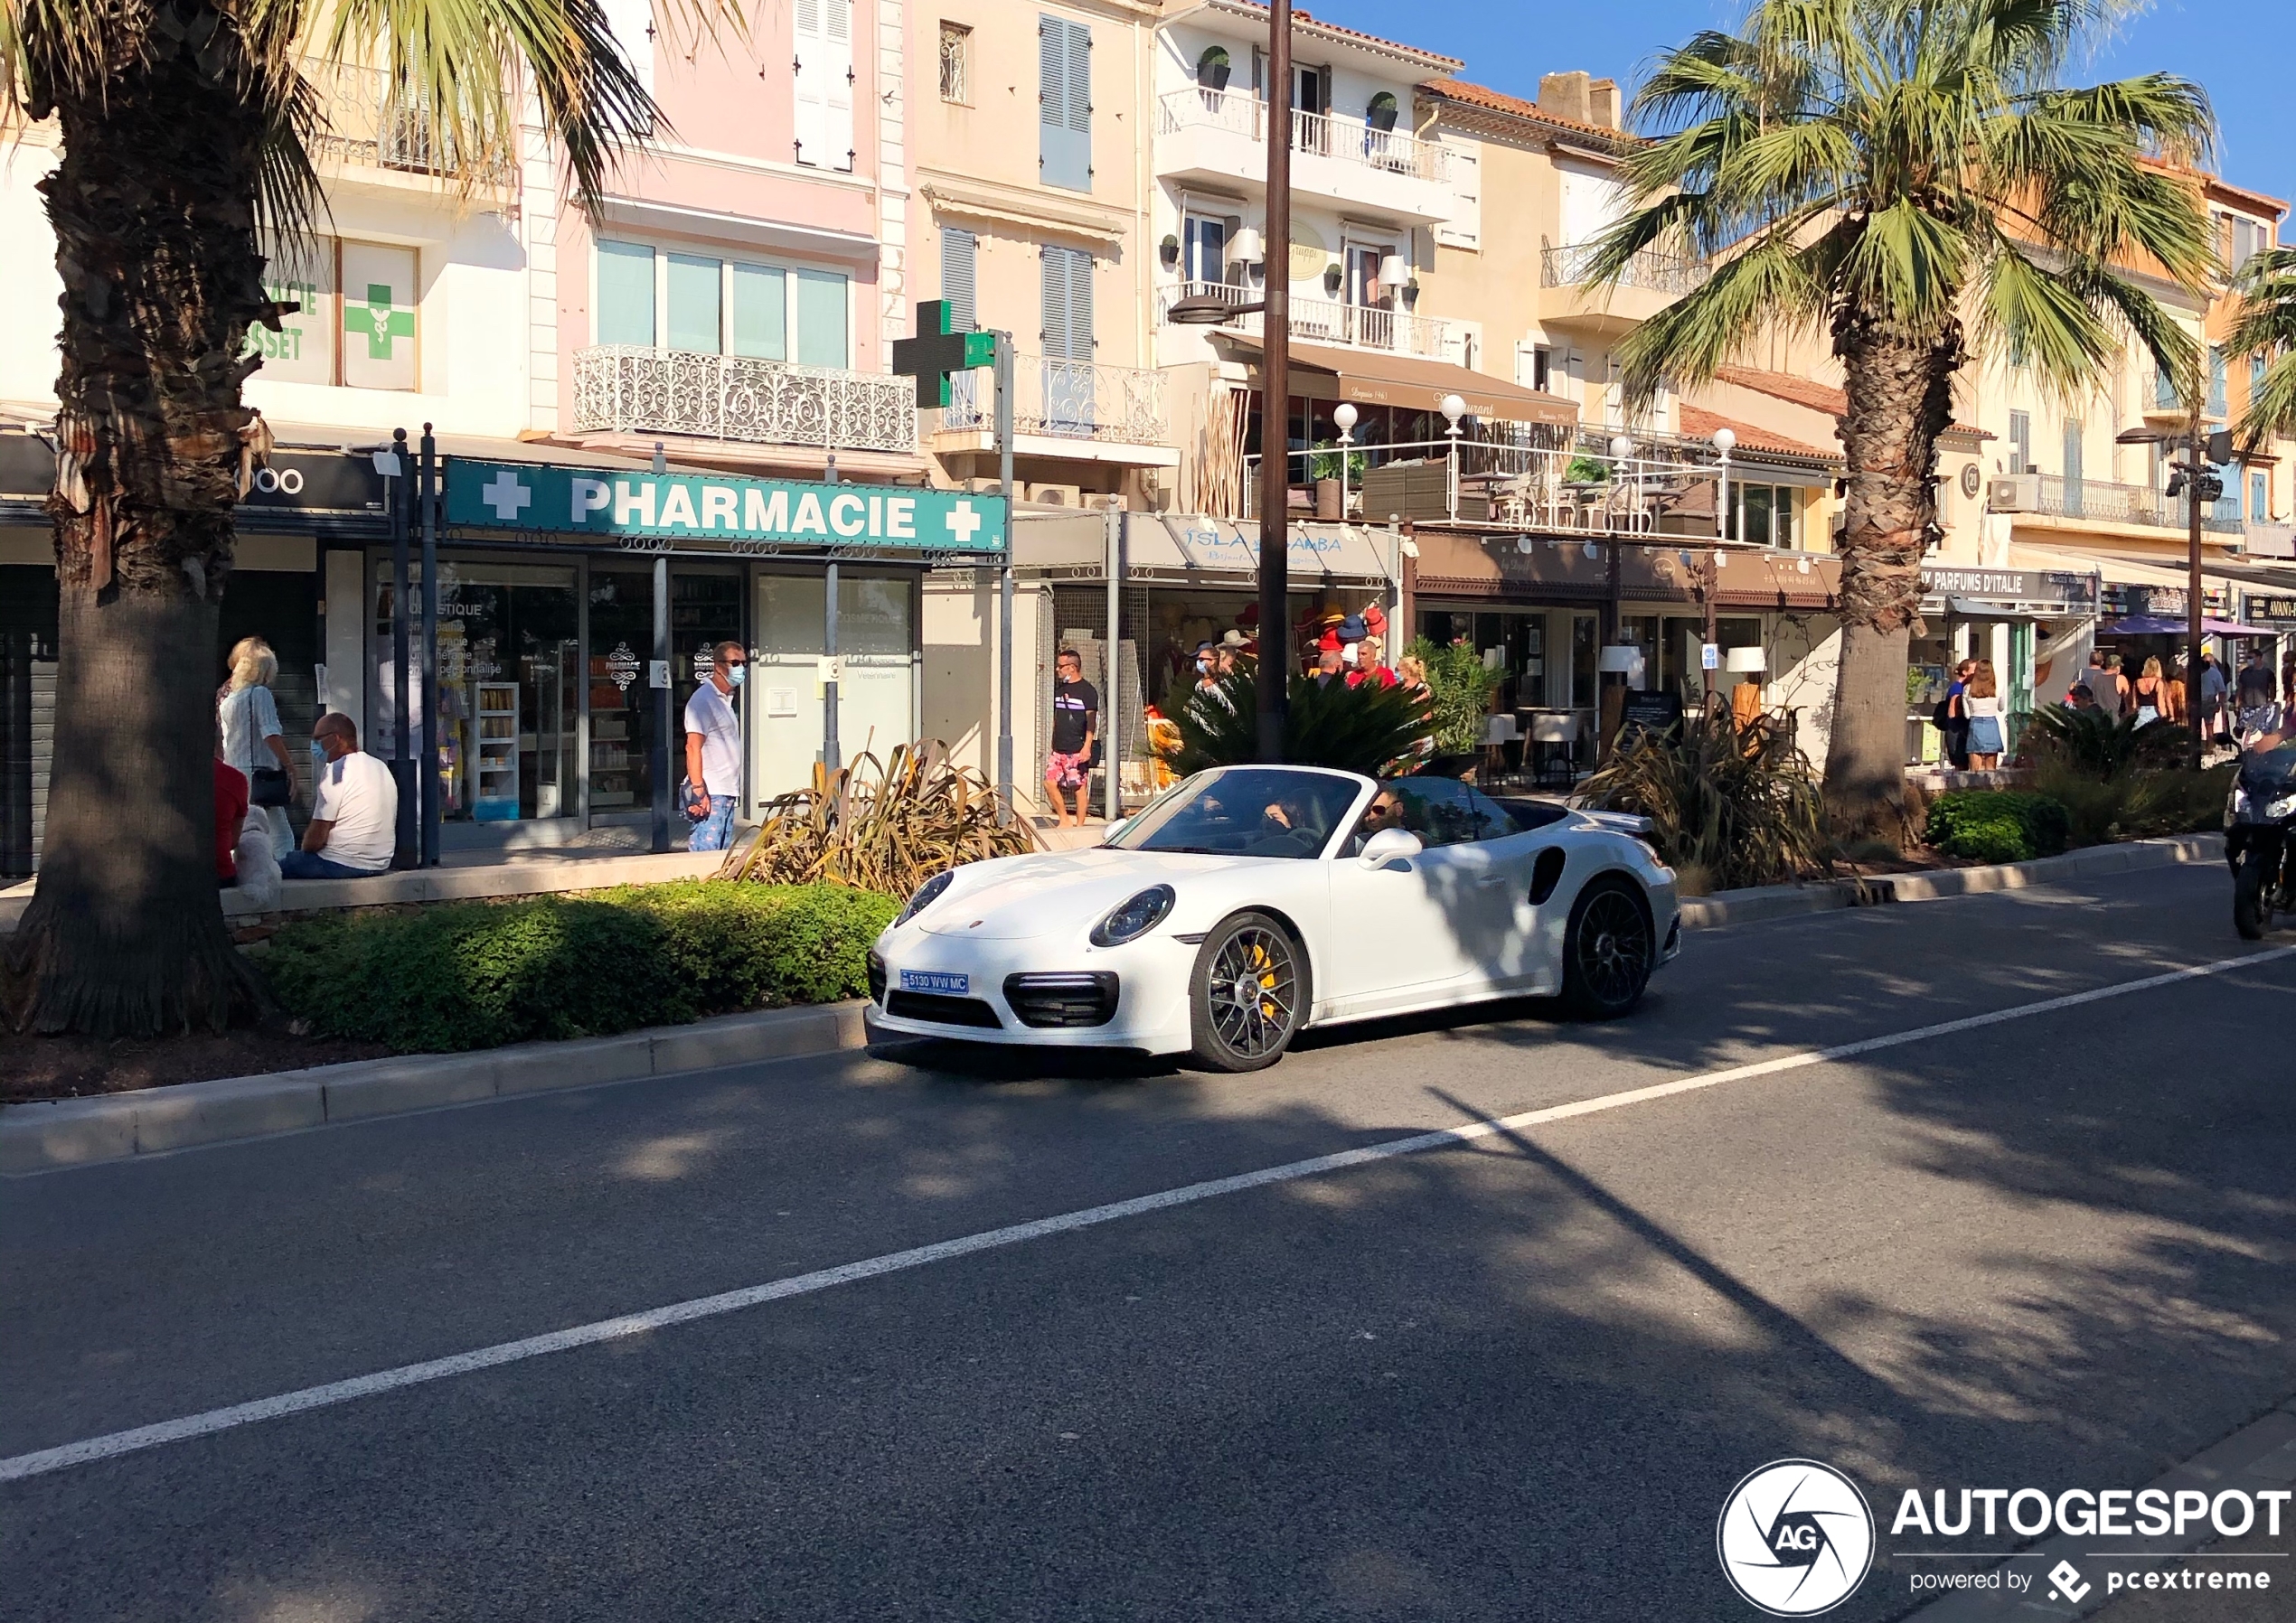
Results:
x,y
718,513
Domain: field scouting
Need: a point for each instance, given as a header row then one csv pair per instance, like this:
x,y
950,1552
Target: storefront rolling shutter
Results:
x,y
1064,98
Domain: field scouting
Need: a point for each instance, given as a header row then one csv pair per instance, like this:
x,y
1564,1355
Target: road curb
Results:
x,y
1753,905
78,1133
110,1127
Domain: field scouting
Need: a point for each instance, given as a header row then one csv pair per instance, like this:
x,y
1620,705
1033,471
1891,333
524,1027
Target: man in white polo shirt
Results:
x,y
713,751
354,815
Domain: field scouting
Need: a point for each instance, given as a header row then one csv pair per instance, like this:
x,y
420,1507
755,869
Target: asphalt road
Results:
x,y
1515,1378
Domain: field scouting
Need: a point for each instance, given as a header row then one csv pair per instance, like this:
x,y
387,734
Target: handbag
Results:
x,y
270,786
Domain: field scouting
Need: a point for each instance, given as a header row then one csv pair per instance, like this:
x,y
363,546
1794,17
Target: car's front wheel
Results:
x,y
1609,951
1248,996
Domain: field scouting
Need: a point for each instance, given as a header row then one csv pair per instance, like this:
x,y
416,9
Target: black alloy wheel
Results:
x,y
1609,951
1248,996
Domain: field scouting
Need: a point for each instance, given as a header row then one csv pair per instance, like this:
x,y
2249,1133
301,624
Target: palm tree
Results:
x,y
2267,327
186,130
1909,178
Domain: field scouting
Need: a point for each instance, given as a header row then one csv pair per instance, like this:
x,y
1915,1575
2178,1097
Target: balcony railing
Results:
x,y
1567,267
1522,476
1393,152
1065,399
1322,321
368,123
627,388
2131,504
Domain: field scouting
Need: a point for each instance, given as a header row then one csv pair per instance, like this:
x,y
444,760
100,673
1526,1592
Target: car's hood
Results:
x,y
1054,892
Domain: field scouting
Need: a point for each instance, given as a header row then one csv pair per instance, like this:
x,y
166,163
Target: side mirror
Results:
x,y
1390,845
1108,834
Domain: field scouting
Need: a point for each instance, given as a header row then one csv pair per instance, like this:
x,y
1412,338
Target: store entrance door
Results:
x,y
877,693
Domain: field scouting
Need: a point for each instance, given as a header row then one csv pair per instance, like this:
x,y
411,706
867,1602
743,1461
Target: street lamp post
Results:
x,y
1453,409
2197,479
1275,409
1724,442
1344,417
1274,306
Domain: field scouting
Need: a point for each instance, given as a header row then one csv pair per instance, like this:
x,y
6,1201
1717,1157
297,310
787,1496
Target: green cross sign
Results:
x,y
938,350
378,320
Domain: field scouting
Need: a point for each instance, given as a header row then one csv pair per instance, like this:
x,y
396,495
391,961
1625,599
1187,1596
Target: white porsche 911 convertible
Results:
x,y
1247,904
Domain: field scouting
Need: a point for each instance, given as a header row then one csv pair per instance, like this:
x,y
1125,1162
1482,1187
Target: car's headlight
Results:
x,y
926,894
1133,918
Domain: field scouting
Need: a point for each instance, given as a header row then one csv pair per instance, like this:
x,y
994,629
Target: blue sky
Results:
x,y
2243,50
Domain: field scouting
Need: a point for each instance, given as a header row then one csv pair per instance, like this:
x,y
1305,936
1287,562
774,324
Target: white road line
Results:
x,y
113,1443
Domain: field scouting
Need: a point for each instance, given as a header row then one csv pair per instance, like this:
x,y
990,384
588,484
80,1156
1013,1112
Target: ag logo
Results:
x,y
1797,1538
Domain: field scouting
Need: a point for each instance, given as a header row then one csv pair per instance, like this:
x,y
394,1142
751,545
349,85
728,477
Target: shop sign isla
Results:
x,y
644,511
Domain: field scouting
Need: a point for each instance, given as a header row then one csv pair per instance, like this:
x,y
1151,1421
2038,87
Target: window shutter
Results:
x,y
1068,304
811,90
959,254
837,92
1464,228
630,23
1064,98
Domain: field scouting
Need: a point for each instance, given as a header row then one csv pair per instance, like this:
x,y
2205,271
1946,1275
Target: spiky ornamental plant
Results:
x,y
1911,179
1363,729
186,130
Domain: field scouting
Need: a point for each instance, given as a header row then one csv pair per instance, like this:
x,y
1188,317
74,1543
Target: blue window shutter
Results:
x,y
1068,304
958,257
1064,96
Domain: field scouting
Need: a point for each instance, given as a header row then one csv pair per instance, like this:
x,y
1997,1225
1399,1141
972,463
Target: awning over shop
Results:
x,y
1458,564
1190,550
1372,377
2163,625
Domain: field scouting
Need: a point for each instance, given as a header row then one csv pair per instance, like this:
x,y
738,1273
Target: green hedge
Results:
x,y
479,974
1997,825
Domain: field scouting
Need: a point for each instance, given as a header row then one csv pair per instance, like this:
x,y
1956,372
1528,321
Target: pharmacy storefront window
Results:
x,y
509,701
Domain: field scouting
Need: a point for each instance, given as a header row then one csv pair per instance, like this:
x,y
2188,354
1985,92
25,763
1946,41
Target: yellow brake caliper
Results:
x,y
1267,978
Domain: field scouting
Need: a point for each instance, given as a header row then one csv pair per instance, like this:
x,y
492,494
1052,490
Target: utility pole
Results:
x,y
1275,405
2194,490
1003,376
407,836
433,497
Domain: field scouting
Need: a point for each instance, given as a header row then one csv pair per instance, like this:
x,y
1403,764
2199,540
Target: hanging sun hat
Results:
x,y
1376,619
1352,628
1232,638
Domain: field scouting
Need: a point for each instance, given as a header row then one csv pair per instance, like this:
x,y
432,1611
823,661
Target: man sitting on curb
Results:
x,y
354,815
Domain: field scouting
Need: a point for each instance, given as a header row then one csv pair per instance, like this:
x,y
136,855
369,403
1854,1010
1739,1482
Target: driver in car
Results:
x,y
1386,811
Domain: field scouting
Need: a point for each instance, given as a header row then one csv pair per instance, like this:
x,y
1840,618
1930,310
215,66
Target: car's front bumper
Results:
x,y
1151,1003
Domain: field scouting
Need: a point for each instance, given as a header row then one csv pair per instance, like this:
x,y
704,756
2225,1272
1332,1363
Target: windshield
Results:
x,y
1244,812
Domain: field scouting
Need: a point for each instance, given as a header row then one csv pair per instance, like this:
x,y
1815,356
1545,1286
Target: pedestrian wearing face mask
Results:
x,y
713,752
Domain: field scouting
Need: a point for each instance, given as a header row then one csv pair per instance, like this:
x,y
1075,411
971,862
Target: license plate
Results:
x,y
936,980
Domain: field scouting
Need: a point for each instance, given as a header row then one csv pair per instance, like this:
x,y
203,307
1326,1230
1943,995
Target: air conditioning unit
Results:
x,y
2014,492
1057,495
987,486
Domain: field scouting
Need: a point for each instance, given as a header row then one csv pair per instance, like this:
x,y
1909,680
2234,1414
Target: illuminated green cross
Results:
x,y
378,320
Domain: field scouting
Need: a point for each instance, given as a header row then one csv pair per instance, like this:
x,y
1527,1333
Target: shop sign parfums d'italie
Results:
x,y
721,513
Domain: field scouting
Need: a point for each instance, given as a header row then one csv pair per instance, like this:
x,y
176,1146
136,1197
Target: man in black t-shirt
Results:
x,y
1075,722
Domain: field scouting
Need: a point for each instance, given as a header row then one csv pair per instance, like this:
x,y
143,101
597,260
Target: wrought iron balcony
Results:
x,y
1568,265
369,122
2132,504
628,388
1323,321
1065,399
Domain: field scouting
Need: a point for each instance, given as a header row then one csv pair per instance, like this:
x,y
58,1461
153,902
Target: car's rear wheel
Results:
x,y
1248,995
1609,950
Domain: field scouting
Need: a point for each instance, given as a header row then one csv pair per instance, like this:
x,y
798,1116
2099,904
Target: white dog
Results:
x,y
258,869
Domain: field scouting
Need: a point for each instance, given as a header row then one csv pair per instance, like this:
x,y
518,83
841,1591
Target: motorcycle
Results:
x,y
2260,838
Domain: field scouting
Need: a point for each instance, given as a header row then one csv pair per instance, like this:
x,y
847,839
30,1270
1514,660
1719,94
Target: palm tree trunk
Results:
x,y
153,205
1900,395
